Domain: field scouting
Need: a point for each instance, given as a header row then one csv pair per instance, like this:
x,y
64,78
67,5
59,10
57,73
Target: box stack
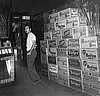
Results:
x,y
90,54
70,44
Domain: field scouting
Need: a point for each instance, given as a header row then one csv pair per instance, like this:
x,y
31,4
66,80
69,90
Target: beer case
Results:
x,y
43,43
53,68
63,71
74,53
62,61
90,54
62,52
91,65
73,43
75,74
60,25
52,43
56,34
62,43
53,76
52,60
66,33
90,42
75,84
47,35
51,51
74,63
50,26
43,51
63,80
53,17
72,22
74,12
64,14
80,32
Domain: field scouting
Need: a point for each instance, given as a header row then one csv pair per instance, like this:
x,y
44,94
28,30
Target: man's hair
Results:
x,y
28,25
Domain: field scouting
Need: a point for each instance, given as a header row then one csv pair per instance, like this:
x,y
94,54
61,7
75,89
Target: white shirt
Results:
x,y
30,40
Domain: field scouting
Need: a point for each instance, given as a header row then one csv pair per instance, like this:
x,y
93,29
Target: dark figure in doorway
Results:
x,y
31,54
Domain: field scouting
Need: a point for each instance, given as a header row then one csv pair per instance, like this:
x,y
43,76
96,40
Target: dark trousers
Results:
x,y
31,66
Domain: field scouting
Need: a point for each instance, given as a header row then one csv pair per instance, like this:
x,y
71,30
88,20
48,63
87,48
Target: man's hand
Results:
x,y
29,53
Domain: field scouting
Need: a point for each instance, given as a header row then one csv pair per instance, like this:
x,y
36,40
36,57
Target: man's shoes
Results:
x,y
37,81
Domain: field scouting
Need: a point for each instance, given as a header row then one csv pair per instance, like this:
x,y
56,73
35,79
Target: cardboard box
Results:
x,y
43,43
47,36
53,76
62,43
74,63
91,91
52,60
90,54
53,17
91,79
73,43
74,84
90,42
53,68
80,32
82,21
63,71
74,53
74,12
72,22
56,34
62,61
50,26
43,51
75,74
51,51
91,65
64,14
52,43
66,33
62,52
60,25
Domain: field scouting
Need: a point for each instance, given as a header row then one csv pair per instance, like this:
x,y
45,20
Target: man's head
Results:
x,y
27,29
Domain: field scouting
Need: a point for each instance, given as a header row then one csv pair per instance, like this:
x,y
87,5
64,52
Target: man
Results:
x,y
31,54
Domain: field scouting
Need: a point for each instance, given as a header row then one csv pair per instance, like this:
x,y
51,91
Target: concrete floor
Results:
x,y
23,86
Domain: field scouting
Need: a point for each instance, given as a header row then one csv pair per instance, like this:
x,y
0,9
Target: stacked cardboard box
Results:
x,y
72,50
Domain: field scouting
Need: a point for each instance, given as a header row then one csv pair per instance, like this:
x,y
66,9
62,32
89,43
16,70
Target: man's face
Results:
x,y
27,29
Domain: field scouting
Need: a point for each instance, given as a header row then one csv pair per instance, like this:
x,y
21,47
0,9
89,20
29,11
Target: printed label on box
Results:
x,y
73,43
47,36
80,32
83,21
63,71
56,34
74,63
66,33
75,84
62,52
53,68
52,43
62,62
73,53
64,14
90,65
60,25
75,74
52,60
74,12
90,42
43,43
90,54
62,43
51,51
72,22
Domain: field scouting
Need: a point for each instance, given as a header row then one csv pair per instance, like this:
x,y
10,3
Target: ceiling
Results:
x,y
36,6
